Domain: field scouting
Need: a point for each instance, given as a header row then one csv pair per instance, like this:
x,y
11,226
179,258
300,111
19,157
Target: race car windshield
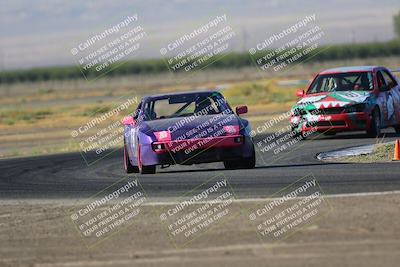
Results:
x,y
185,105
354,81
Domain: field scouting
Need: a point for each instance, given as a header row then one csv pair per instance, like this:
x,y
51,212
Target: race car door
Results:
x,y
383,98
392,116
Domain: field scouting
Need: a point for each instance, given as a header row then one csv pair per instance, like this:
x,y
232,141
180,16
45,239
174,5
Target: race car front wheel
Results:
x,y
375,129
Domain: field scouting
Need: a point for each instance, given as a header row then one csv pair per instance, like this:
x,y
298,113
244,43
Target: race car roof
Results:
x,y
349,69
161,96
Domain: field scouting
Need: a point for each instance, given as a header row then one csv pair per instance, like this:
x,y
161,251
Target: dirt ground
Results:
x,y
357,231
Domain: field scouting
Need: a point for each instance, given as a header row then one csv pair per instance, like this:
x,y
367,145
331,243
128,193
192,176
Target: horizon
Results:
x,y
56,27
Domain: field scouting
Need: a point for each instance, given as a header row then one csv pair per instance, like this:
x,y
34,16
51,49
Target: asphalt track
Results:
x,y
67,176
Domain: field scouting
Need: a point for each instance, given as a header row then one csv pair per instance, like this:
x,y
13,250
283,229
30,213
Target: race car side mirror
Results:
x,y
128,121
300,93
241,110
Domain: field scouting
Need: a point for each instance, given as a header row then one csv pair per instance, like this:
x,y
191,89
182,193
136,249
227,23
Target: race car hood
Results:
x,y
192,126
333,100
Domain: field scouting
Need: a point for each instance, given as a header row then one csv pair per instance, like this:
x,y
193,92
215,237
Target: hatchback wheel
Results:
x,y
375,129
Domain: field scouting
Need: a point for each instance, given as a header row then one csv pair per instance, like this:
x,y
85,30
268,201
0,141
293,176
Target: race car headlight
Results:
x,y
231,129
354,108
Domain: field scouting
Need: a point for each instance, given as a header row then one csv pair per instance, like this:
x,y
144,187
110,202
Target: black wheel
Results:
x,y
397,129
375,129
244,163
129,168
230,164
249,163
151,169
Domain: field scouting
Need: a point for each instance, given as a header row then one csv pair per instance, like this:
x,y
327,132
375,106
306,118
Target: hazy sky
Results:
x,y
42,32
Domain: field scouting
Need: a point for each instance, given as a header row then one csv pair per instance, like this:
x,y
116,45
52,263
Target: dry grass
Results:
x,y
381,153
37,118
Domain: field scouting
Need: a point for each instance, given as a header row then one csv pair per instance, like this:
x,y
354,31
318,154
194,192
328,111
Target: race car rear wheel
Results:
x,y
244,163
129,168
375,129
249,163
150,169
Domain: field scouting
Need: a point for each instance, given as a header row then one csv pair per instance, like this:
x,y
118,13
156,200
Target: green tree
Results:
x,y
396,21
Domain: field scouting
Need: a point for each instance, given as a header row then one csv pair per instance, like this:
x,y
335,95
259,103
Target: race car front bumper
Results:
x,y
200,150
337,123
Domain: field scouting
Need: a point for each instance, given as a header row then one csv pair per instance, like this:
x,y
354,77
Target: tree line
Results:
x,y
228,61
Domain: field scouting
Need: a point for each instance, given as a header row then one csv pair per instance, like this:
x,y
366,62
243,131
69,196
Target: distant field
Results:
x,y
228,61
37,118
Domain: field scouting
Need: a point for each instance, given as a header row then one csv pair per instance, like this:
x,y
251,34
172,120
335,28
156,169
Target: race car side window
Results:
x,y
381,81
137,111
389,79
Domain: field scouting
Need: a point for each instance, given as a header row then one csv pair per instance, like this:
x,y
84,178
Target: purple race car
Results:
x,y
186,128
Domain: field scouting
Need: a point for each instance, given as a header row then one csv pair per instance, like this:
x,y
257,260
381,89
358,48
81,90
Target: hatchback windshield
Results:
x,y
354,81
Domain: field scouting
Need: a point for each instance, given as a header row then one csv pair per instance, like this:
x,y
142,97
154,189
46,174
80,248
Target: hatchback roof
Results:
x,y
349,69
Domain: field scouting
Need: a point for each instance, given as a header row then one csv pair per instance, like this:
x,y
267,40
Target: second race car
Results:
x,y
349,99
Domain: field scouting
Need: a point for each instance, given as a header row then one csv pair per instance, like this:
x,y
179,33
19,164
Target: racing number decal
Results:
x,y
351,94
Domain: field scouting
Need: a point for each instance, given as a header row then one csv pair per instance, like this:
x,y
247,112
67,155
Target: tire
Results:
x,y
230,164
249,163
375,129
244,163
150,169
397,129
129,168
